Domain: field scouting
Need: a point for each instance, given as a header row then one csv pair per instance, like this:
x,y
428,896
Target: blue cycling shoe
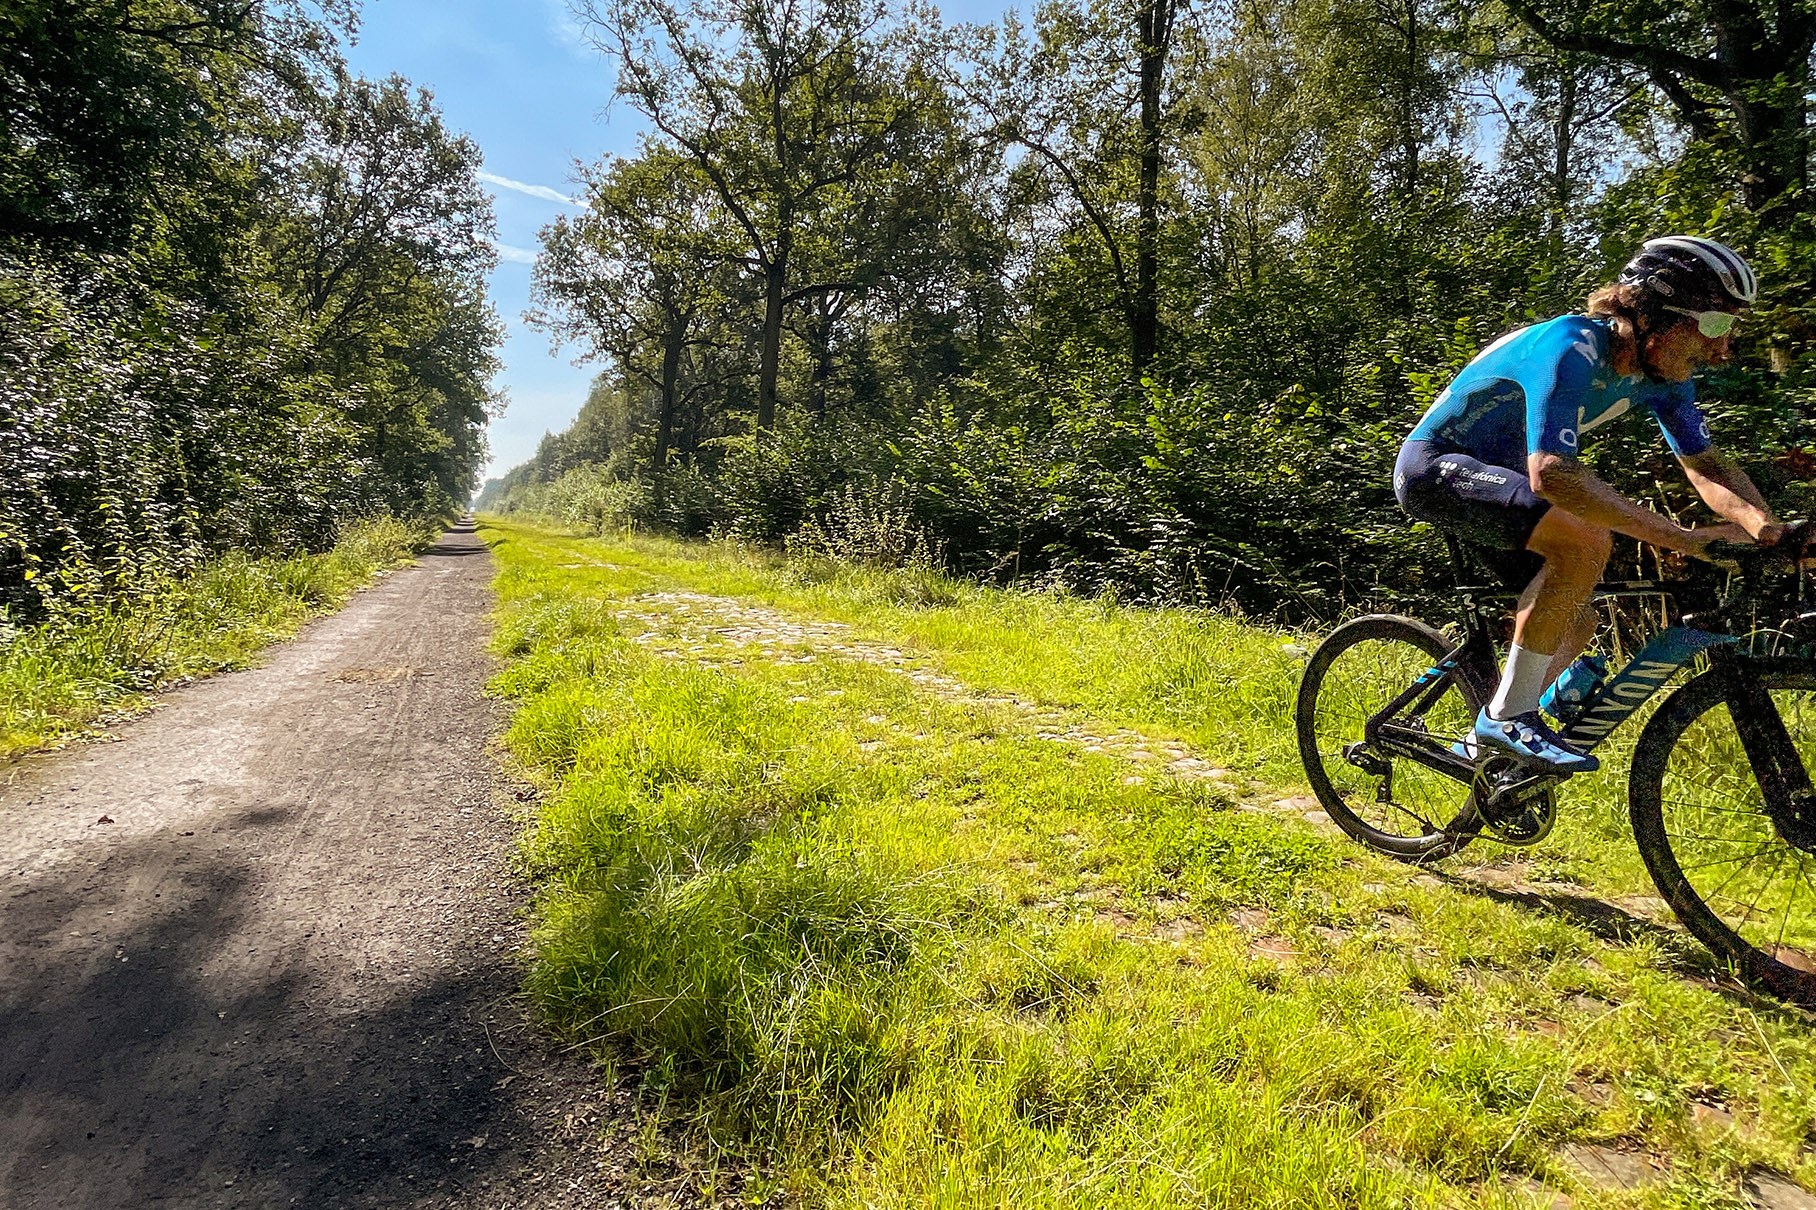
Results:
x,y
1527,738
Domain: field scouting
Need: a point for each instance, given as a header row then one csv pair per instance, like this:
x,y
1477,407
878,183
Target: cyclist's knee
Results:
x,y
1571,544
1598,545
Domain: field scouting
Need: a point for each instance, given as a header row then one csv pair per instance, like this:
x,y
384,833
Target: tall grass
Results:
x,y
92,661
893,948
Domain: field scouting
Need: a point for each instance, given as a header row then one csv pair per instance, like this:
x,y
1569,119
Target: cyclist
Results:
x,y
1495,461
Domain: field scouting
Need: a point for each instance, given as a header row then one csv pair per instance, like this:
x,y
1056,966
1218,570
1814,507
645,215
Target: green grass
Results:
x,y
887,946
91,663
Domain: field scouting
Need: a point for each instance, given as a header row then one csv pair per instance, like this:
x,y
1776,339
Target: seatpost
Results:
x,y
1478,636
1459,569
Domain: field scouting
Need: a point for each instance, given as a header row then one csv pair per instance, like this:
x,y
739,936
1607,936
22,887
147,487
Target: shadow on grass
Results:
x,y
1615,925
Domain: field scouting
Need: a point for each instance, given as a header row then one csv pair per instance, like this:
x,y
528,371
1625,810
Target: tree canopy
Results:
x,y
1139,294
242,292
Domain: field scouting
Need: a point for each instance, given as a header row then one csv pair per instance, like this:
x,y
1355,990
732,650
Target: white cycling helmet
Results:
x,y
1689,269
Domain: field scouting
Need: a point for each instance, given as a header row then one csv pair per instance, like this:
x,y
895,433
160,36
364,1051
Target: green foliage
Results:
x,y
888,941
241,295
1334,204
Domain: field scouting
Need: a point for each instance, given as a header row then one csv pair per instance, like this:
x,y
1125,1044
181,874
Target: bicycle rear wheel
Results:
x,y
1733,877
1377,794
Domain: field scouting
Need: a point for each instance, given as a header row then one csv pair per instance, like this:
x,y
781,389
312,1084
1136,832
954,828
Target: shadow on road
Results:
x,y
115,1034
460,539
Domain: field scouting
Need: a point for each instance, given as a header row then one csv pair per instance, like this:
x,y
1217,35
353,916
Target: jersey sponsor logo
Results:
x,y
1457,470
1567,438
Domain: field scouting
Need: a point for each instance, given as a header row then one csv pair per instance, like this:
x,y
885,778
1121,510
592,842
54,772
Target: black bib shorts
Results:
x,y
1491,508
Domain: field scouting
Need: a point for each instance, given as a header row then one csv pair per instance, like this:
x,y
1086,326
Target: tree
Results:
x,y
1250,144
782,106
1089,97
636,278
1737,72
383,245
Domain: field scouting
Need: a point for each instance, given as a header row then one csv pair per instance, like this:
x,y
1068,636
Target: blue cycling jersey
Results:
x,y
1539,389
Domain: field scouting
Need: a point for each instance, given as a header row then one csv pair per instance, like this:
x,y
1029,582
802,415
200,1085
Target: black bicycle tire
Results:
x,y
1645,807
1433,846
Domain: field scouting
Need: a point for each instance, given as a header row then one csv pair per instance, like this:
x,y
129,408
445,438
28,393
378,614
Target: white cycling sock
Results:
x,y
1521,683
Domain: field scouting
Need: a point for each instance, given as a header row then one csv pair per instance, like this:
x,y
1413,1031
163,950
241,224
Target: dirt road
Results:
x,y
263,951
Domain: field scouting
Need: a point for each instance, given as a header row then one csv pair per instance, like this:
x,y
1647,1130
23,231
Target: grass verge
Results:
x,y
57,680
891,945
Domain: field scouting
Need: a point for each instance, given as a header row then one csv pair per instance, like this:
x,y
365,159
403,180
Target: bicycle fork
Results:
x,y
1783,780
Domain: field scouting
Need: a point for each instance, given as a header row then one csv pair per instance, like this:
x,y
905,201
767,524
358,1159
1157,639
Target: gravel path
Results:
x,y
264,950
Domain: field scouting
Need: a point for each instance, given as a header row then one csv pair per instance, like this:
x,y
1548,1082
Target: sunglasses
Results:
x,y
1713,324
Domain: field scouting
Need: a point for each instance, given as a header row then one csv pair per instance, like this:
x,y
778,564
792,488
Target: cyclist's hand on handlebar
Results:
x,y
1795,540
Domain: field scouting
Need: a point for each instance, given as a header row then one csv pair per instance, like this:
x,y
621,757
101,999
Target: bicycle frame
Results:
x,y
1789,796
1615,702
1784,780
1633,686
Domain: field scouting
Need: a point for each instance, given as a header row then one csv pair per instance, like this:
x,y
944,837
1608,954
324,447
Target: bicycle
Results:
x,y
1719,792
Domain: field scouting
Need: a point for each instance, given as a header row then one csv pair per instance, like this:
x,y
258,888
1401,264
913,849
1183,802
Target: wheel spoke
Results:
x,y
1716,894
1785,919
1737,882
1706,865
1713,839
1703,806
1753,906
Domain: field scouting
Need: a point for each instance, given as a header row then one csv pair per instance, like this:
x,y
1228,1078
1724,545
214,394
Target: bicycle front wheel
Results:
x,y
1376,792
1732,876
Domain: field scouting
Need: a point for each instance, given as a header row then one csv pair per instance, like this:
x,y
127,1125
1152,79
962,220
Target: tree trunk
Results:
x,y
1770,75
770,356
820,337
1409,105
1760,68
1564,132
1771,138
665,416
1155,34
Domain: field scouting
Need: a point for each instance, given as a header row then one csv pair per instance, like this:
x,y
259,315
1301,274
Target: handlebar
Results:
x,y
1738,606
1797,543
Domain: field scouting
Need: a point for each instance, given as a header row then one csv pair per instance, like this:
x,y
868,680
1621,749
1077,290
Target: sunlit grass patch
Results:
x,y
88,662
895,941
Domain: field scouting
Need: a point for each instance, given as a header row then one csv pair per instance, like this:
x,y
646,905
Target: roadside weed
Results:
x,y
857,907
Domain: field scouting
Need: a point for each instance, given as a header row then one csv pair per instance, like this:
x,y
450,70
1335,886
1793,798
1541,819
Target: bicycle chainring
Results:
x,y
1513,804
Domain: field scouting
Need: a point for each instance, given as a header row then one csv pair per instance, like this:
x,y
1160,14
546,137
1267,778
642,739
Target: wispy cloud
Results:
x,y
541,191
569,32
516,255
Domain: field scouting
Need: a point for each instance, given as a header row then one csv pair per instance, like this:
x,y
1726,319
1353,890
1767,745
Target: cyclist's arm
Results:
x,y
1725,488
1575,488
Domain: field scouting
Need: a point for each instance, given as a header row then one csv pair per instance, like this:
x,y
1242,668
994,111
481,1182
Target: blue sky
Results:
x,y
520,79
